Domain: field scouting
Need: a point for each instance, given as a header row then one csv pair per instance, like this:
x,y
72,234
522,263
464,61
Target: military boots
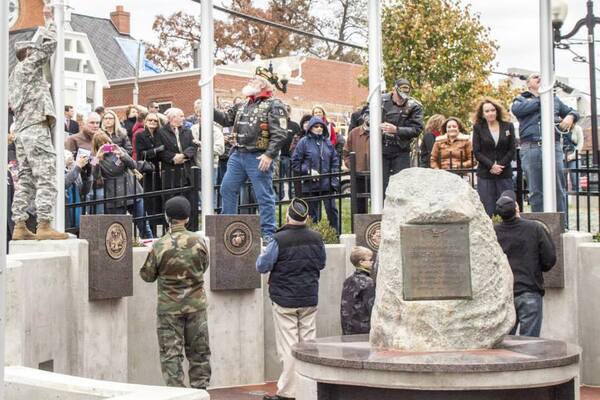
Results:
x,y
45,232
20,232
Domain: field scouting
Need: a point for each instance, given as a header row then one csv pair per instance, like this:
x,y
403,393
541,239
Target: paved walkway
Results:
x,y
257,391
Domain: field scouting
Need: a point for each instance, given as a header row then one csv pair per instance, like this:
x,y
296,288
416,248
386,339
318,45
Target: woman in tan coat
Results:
x,y
453,149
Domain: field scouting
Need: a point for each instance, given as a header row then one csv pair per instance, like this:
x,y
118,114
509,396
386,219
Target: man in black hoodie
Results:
x,y
530,251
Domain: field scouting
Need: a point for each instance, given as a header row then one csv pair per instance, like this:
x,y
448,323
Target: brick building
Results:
x,y
331,84
100,69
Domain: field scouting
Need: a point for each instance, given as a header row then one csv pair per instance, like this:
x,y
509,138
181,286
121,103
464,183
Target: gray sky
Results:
x,y
513,23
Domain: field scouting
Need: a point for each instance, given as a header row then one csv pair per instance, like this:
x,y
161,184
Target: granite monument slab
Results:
x,y
555,224
235,244
464,296
109,255
367,228
436,262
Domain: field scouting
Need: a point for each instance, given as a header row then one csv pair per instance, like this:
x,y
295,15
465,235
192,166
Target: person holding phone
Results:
x,y
113,170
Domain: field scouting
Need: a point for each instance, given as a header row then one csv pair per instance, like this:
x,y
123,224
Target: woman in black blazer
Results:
x,y
494,149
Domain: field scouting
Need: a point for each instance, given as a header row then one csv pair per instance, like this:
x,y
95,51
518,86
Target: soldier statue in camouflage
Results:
x,y
30,99
178,261
358,294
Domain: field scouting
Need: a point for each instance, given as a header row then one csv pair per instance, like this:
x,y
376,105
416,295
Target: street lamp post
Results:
x,y
559,14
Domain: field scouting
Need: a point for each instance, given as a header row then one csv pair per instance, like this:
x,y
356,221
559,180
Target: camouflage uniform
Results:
x,y
358,296
178,260
30,99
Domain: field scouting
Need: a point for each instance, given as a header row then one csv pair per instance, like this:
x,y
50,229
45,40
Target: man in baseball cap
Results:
x,y
530,251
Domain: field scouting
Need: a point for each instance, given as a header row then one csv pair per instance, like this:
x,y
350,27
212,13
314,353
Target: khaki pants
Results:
x,y
292,325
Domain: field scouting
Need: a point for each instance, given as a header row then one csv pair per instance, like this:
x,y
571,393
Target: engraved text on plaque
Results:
x,y
435,262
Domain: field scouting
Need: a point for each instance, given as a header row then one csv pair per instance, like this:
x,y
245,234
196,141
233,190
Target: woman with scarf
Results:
x,y
117,134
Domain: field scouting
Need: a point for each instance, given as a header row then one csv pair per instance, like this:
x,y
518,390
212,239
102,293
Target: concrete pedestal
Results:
x,y
97,331
348,368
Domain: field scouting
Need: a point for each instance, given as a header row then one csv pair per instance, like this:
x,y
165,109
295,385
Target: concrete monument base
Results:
x,y
349,368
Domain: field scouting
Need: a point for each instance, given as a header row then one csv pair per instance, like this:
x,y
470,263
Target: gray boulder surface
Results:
x,y
420,196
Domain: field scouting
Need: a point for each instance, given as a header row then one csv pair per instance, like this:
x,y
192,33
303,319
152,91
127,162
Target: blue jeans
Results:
x,y
98,208
285,171
240,167
143,226
314,209
528,306
573,176
531,160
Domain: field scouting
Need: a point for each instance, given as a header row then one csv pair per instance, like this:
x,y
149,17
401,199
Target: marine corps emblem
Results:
x,y
373,235
238,238
116,241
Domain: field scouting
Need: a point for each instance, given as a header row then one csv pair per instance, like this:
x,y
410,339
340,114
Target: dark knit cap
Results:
x,y
178,207
506,205
298,210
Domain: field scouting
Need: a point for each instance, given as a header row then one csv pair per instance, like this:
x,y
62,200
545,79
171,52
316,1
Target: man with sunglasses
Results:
x,y
527,108
401,123
259,129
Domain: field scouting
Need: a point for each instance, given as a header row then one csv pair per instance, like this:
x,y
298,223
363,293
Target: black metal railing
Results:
x,y
582,196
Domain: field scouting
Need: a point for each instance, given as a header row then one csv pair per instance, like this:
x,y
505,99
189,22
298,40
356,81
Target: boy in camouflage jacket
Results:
x,y
358,294
178,261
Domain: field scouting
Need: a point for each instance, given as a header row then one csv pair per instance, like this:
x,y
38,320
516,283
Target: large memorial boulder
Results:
x,y
443,282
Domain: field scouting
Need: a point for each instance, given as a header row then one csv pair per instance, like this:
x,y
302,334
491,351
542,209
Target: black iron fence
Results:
x,y
344,191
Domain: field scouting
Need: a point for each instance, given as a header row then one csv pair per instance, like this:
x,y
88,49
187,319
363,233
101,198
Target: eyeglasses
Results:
x,y
317,127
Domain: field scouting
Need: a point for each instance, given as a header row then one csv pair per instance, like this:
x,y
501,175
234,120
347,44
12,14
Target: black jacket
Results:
x,y
408,120
425,149
358,296
128,125
293,129
248,121
529,249
72,127
147,148
175,174
487,152
294,280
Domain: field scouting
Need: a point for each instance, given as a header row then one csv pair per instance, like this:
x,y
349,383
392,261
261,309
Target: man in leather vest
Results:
x,y
402,121
259,129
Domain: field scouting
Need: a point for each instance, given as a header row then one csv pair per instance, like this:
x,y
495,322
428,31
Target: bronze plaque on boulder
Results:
x,y
436,262
367,228
554,222
234,247
110,273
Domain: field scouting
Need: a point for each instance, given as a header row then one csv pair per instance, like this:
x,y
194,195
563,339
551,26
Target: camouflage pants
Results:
x,y
189,331
37,173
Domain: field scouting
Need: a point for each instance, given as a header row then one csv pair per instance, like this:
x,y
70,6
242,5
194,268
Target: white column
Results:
x,y
58,93
375,106
547,100
3,171
136,85
207,93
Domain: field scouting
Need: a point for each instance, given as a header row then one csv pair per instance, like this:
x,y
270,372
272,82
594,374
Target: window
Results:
x,y
80,47
68,44
87,68
72,64
162,107
90,92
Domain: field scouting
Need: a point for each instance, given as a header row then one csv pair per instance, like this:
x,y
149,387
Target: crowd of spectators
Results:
x,y
150,151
